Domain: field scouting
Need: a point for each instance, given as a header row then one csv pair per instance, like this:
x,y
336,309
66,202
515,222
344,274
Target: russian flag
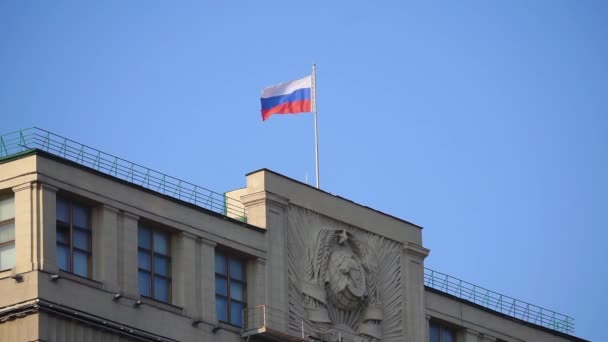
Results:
x,y
288,98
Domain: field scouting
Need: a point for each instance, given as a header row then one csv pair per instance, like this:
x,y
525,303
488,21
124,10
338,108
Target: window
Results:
x,y
154,263
230,288
73,237
441,333
7,232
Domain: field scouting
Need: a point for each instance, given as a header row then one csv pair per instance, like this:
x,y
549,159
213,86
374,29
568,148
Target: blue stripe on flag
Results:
x,y
298,95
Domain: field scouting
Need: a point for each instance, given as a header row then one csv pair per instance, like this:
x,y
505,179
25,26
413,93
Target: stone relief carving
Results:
x,y
340,277
342,273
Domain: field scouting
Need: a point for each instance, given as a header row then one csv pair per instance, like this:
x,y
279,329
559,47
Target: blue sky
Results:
x,y
483,121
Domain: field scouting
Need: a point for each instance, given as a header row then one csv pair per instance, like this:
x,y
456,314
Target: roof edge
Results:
x,y
336,196
502,315
133,185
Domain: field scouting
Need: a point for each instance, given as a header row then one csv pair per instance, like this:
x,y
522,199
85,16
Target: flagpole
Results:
x,y
314,103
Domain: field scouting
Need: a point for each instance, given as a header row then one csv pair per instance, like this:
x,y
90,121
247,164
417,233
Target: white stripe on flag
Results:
x,y
287,87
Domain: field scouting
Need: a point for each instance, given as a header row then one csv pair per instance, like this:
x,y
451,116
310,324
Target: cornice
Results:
x,y
131,216
264,197
208,242
109,208
188,235
44,186
24,186
416,250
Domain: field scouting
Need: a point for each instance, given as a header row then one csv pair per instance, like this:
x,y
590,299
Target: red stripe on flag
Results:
x,y
294,107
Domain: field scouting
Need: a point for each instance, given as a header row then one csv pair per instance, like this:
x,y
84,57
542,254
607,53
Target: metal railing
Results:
x,y
263,316
279,325
38,139
498,302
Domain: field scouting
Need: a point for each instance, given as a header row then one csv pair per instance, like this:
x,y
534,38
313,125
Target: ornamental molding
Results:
x,y
188,235
130,216
207,242
416,250
24,186
35,185
110,208
264,198
44,186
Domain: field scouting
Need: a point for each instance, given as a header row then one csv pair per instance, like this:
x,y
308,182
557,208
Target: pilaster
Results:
x,y
184,273
127,254
256,282
35,238
471,335
105,245
486,338
414,308
26,242
47,198
268,210
260,204
207,276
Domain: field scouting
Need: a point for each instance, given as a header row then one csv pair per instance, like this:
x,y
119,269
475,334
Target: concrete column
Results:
x,y
183,262
256,282
207,275
127,255
471,335
256,294
412,280
105,245
47,222
267,210
35,238
197,284
26,243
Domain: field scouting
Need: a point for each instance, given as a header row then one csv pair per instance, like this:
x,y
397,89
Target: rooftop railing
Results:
x,y
38,139
277,325
26,140
498,302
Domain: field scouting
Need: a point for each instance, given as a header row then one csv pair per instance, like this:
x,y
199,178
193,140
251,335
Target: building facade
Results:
x,y
93,248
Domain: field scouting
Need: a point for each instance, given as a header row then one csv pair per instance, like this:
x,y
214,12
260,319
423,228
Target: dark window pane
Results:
x,y
161,289
236,268
162,266
63,234
447,335
62,210
433,333
144,260
7,257
220,264
161,243
7,232
80,215
82,240
63,258
236,291
220,286
143,238
144,283
7,207
221,308
81,264
236,314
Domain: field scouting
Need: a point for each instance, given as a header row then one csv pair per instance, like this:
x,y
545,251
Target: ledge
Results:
x,y
78,279
162,305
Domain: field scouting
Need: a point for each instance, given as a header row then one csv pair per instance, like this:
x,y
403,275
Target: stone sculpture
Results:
x,y
341,276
